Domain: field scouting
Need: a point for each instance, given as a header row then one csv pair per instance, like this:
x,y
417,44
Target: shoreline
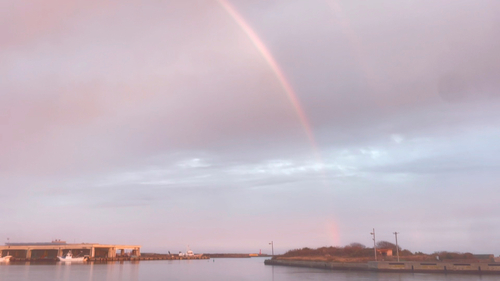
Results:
x,y
396,267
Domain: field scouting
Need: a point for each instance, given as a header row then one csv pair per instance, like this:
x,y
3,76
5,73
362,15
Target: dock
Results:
x,y
95,252
147,257
49,251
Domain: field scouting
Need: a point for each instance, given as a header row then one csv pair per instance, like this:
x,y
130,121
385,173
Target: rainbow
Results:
x,y
274,66
332,229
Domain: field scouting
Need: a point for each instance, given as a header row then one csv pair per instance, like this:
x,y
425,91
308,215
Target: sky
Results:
x,y
227,124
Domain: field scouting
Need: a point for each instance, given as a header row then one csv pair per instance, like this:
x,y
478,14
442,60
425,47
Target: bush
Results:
x,y
444,255
351,250
405,252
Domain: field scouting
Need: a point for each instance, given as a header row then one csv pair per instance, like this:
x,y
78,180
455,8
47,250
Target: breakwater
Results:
x,y
405,266
233,256
144,257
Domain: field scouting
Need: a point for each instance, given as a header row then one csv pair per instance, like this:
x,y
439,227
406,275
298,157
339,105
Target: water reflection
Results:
x,y
91,271
272,269
216,270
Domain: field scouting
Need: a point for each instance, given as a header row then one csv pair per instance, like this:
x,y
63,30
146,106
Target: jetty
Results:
x,y
391,266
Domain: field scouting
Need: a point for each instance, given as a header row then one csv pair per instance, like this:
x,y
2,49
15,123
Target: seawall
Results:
x,y
405,266
320,264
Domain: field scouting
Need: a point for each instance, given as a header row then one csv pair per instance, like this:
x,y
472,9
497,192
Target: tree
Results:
x,y
356,245
386,245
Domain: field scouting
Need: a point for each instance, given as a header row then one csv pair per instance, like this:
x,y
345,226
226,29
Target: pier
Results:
x,y
93,251
50,251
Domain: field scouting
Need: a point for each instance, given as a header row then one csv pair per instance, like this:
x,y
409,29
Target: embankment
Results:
x,y
405,266
232,256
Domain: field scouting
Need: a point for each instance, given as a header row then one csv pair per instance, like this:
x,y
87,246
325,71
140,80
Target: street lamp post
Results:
x,y
272,247
374,243
397,247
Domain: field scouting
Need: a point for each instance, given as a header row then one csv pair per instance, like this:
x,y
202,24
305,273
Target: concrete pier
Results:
x,y
41,251
443,267
404,266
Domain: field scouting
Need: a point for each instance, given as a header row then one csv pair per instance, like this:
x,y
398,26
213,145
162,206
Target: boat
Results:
x,y
6,258
69,258
189,254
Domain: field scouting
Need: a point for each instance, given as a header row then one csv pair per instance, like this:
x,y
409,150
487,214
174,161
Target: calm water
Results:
x,y
200,270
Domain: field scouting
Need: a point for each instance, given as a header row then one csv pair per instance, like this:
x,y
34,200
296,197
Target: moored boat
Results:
x,y
69,258
6,258
189,254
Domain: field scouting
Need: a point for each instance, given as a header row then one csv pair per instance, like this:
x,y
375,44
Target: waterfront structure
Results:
x,y
56,248
385,252
391,266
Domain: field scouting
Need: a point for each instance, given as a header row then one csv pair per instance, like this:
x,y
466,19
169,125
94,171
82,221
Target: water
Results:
x,y
203,270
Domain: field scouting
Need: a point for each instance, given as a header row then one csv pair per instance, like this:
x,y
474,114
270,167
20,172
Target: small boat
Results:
x,y
5,259
69,258
189,254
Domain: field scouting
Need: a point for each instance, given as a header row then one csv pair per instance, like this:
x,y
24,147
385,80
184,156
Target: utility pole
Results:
x,y
374,243
397,247
272,247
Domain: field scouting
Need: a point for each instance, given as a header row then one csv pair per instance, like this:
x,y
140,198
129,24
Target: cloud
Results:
x,y
163,115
